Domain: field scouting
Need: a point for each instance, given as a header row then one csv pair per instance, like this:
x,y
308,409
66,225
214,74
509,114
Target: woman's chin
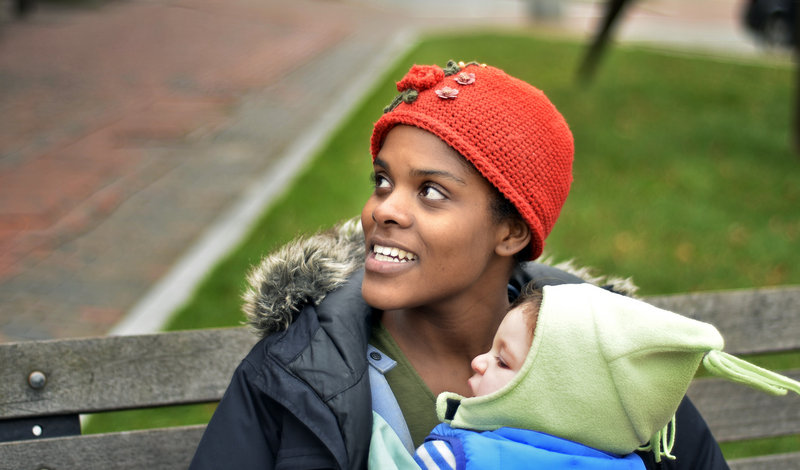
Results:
x,y
376,297
385,294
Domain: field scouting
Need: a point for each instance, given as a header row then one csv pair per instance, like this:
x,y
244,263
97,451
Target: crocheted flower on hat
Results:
x,y
421,77
465,78
447,93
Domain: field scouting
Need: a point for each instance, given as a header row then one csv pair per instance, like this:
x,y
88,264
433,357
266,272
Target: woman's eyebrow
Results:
x,y
381,163
440,173
419,172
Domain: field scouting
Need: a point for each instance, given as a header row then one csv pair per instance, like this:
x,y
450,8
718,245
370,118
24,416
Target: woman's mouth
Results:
x,y
392,254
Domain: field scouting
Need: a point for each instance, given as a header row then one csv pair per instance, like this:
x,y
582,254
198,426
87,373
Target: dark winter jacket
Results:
x,y
301,397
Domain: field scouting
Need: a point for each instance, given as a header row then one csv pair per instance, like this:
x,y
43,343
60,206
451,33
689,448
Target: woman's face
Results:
x,y
430,236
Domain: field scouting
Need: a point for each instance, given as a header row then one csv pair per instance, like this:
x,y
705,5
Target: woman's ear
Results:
x,y
515,235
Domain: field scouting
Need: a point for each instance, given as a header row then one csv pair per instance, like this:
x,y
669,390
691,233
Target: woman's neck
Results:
x,y
440,343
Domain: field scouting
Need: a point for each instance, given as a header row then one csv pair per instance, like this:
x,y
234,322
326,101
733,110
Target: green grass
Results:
x,y
683,174
778,445
684,178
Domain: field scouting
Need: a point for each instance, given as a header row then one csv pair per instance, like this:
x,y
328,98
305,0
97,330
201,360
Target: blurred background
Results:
x,y
152,150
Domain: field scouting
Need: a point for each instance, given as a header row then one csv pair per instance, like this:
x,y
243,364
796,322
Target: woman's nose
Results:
x,y
479,364
392,209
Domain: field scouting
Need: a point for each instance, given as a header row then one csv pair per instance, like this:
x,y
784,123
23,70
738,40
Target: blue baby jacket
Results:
x,y
512,448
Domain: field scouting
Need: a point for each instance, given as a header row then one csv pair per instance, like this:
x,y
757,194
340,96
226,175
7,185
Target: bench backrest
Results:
x,y
105,374
755,321
45,385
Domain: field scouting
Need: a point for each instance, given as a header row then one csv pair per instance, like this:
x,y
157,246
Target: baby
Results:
x,y
603,372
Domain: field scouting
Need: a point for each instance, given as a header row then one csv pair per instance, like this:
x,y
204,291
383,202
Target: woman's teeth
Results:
x,y
392,254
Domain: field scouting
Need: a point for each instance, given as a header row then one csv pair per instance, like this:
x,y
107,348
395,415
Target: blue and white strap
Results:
x,y
435,455
384,402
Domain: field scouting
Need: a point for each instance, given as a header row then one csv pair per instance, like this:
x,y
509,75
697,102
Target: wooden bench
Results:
x,y
46,385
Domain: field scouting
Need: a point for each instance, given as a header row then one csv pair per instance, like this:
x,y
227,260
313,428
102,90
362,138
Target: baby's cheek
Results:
x,y
507,377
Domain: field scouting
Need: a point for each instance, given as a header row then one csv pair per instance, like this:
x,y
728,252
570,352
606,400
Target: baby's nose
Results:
x,y
479,363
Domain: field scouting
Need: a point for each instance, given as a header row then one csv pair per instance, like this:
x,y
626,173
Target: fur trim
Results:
x,y
621,285
307,269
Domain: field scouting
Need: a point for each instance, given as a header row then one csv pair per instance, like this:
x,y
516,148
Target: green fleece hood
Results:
x,y
605,370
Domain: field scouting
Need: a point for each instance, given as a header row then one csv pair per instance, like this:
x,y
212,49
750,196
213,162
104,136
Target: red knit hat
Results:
x,y
508,129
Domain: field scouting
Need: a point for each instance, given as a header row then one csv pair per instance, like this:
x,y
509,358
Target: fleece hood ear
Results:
x,y
604,370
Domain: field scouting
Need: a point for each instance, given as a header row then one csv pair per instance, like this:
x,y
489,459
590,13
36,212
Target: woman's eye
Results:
x,y
429,192
380,181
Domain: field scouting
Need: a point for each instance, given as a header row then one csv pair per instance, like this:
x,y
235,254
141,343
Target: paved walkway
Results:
x,y
127,129
135,125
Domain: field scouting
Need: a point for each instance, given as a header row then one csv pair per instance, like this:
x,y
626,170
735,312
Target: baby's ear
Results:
x,y
515,235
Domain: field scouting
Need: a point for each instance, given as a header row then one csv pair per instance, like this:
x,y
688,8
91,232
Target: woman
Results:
x,y
472,167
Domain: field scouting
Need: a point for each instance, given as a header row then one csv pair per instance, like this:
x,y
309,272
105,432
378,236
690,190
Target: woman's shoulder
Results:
x,y
545,271
303,271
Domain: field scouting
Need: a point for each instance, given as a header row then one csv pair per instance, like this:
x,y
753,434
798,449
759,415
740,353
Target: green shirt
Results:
x,y
416,400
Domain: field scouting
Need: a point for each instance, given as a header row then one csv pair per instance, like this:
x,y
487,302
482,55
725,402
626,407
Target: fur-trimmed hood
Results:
x,y
302,271
309,268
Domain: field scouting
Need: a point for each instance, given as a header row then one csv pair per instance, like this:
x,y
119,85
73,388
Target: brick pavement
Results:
x,y
125,123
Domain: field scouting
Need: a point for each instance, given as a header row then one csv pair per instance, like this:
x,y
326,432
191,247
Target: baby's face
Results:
x,y
496,367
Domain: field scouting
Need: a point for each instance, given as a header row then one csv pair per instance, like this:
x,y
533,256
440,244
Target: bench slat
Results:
x,y
159,449
767,462
735,412
750,320
109,373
